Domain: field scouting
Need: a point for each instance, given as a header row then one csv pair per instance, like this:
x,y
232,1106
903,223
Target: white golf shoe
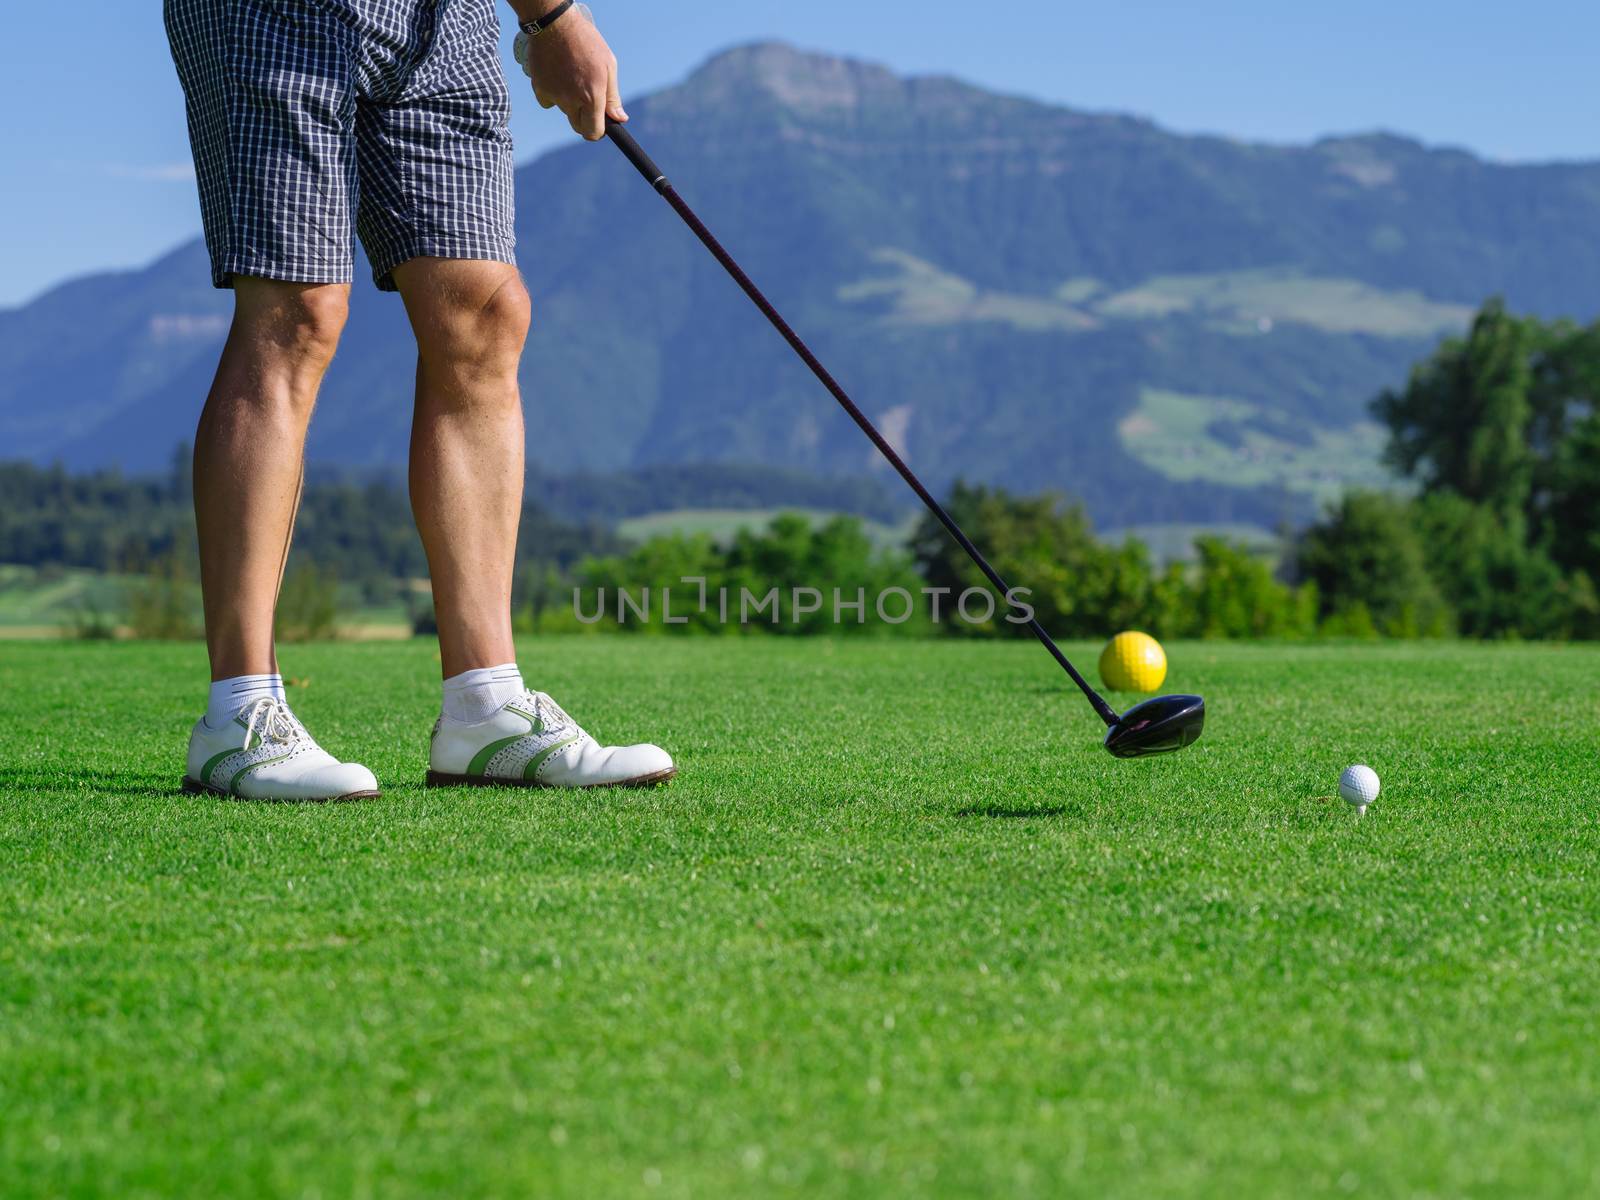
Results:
x,y
264,753
530,742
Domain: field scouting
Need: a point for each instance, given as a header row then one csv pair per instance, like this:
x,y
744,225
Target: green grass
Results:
x,y
39,599
1171,432
1242,303
54,601
901,928
917,293
1255,301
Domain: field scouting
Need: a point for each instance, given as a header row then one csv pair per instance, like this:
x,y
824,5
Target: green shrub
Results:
x,y
164,604
1237,596
308,605
1077,585
1354,620
1367,555
1500,585
87,621
755,584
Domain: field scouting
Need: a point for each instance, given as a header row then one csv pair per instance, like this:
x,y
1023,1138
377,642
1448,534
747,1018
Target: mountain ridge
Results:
x,y
1014,286
754,62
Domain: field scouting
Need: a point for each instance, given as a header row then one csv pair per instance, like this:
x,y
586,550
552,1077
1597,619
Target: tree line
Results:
x,y
798,578
1495,533
360,530
361,524
1499,434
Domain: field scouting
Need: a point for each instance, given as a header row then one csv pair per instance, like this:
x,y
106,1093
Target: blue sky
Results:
x,y
96,156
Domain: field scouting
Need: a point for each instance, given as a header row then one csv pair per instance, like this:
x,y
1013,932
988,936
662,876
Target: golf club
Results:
x,y
1156,726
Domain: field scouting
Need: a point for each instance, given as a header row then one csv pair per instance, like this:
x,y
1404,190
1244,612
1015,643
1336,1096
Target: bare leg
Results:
x,y
471,319
249,457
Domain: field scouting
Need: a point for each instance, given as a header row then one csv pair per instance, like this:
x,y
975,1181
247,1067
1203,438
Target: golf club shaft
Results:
x,y
646,166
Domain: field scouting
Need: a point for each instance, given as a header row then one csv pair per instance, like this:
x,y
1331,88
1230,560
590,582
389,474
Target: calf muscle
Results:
x,y
249,460
471,319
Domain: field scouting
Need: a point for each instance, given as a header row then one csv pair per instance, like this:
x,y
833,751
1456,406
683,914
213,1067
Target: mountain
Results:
x,y
1175,328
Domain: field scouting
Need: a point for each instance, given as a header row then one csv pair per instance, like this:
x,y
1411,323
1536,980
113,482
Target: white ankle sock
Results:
x,y
228,696
474,696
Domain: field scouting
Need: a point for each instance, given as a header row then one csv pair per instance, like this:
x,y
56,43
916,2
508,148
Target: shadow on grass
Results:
x,y
275,801
199,793
1007,812
21,780
56,779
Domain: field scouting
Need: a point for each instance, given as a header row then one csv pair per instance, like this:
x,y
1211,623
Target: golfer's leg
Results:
x,y
249,458
248,461
470,320
270,101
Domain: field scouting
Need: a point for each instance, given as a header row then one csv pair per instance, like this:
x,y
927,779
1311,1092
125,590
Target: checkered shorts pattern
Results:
x,y
313,120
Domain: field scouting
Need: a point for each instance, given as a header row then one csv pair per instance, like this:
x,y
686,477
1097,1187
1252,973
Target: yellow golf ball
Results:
x,y
1133,662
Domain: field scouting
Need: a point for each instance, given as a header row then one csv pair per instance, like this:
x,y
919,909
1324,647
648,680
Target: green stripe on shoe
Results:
x,y
233,783
213,763
531,771
251,740
480,761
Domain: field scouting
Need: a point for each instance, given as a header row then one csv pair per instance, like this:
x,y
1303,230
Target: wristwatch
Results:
x,y
538,25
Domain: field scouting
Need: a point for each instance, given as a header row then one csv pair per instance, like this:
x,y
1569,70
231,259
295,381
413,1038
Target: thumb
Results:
x,y
614,108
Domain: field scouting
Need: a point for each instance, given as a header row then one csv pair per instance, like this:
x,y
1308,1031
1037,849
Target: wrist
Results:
x,y
535,10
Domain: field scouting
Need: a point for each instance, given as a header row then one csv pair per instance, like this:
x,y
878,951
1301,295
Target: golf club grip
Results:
x,y
635,154
658,180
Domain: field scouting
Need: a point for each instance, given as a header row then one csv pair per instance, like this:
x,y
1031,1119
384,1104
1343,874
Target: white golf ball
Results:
x,y
1359,786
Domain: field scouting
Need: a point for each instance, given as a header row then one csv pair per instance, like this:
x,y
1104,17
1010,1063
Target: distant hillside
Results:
x,y
1175,328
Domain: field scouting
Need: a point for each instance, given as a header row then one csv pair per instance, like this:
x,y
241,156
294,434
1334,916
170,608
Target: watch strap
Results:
x,y
538,25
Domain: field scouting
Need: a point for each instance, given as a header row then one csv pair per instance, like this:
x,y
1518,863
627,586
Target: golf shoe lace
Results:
x,y
551,715
271,720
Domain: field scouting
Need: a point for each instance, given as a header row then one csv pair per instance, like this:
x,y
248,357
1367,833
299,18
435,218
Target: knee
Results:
x,y
315,319
297,321
481,331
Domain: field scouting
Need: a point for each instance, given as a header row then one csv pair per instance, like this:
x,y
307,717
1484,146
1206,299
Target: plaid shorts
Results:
x,y
314,120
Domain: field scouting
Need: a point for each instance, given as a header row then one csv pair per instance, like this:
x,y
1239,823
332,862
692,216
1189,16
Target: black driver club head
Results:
x,y
1157,726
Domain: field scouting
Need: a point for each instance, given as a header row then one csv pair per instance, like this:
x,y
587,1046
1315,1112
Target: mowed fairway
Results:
x,y
900,928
